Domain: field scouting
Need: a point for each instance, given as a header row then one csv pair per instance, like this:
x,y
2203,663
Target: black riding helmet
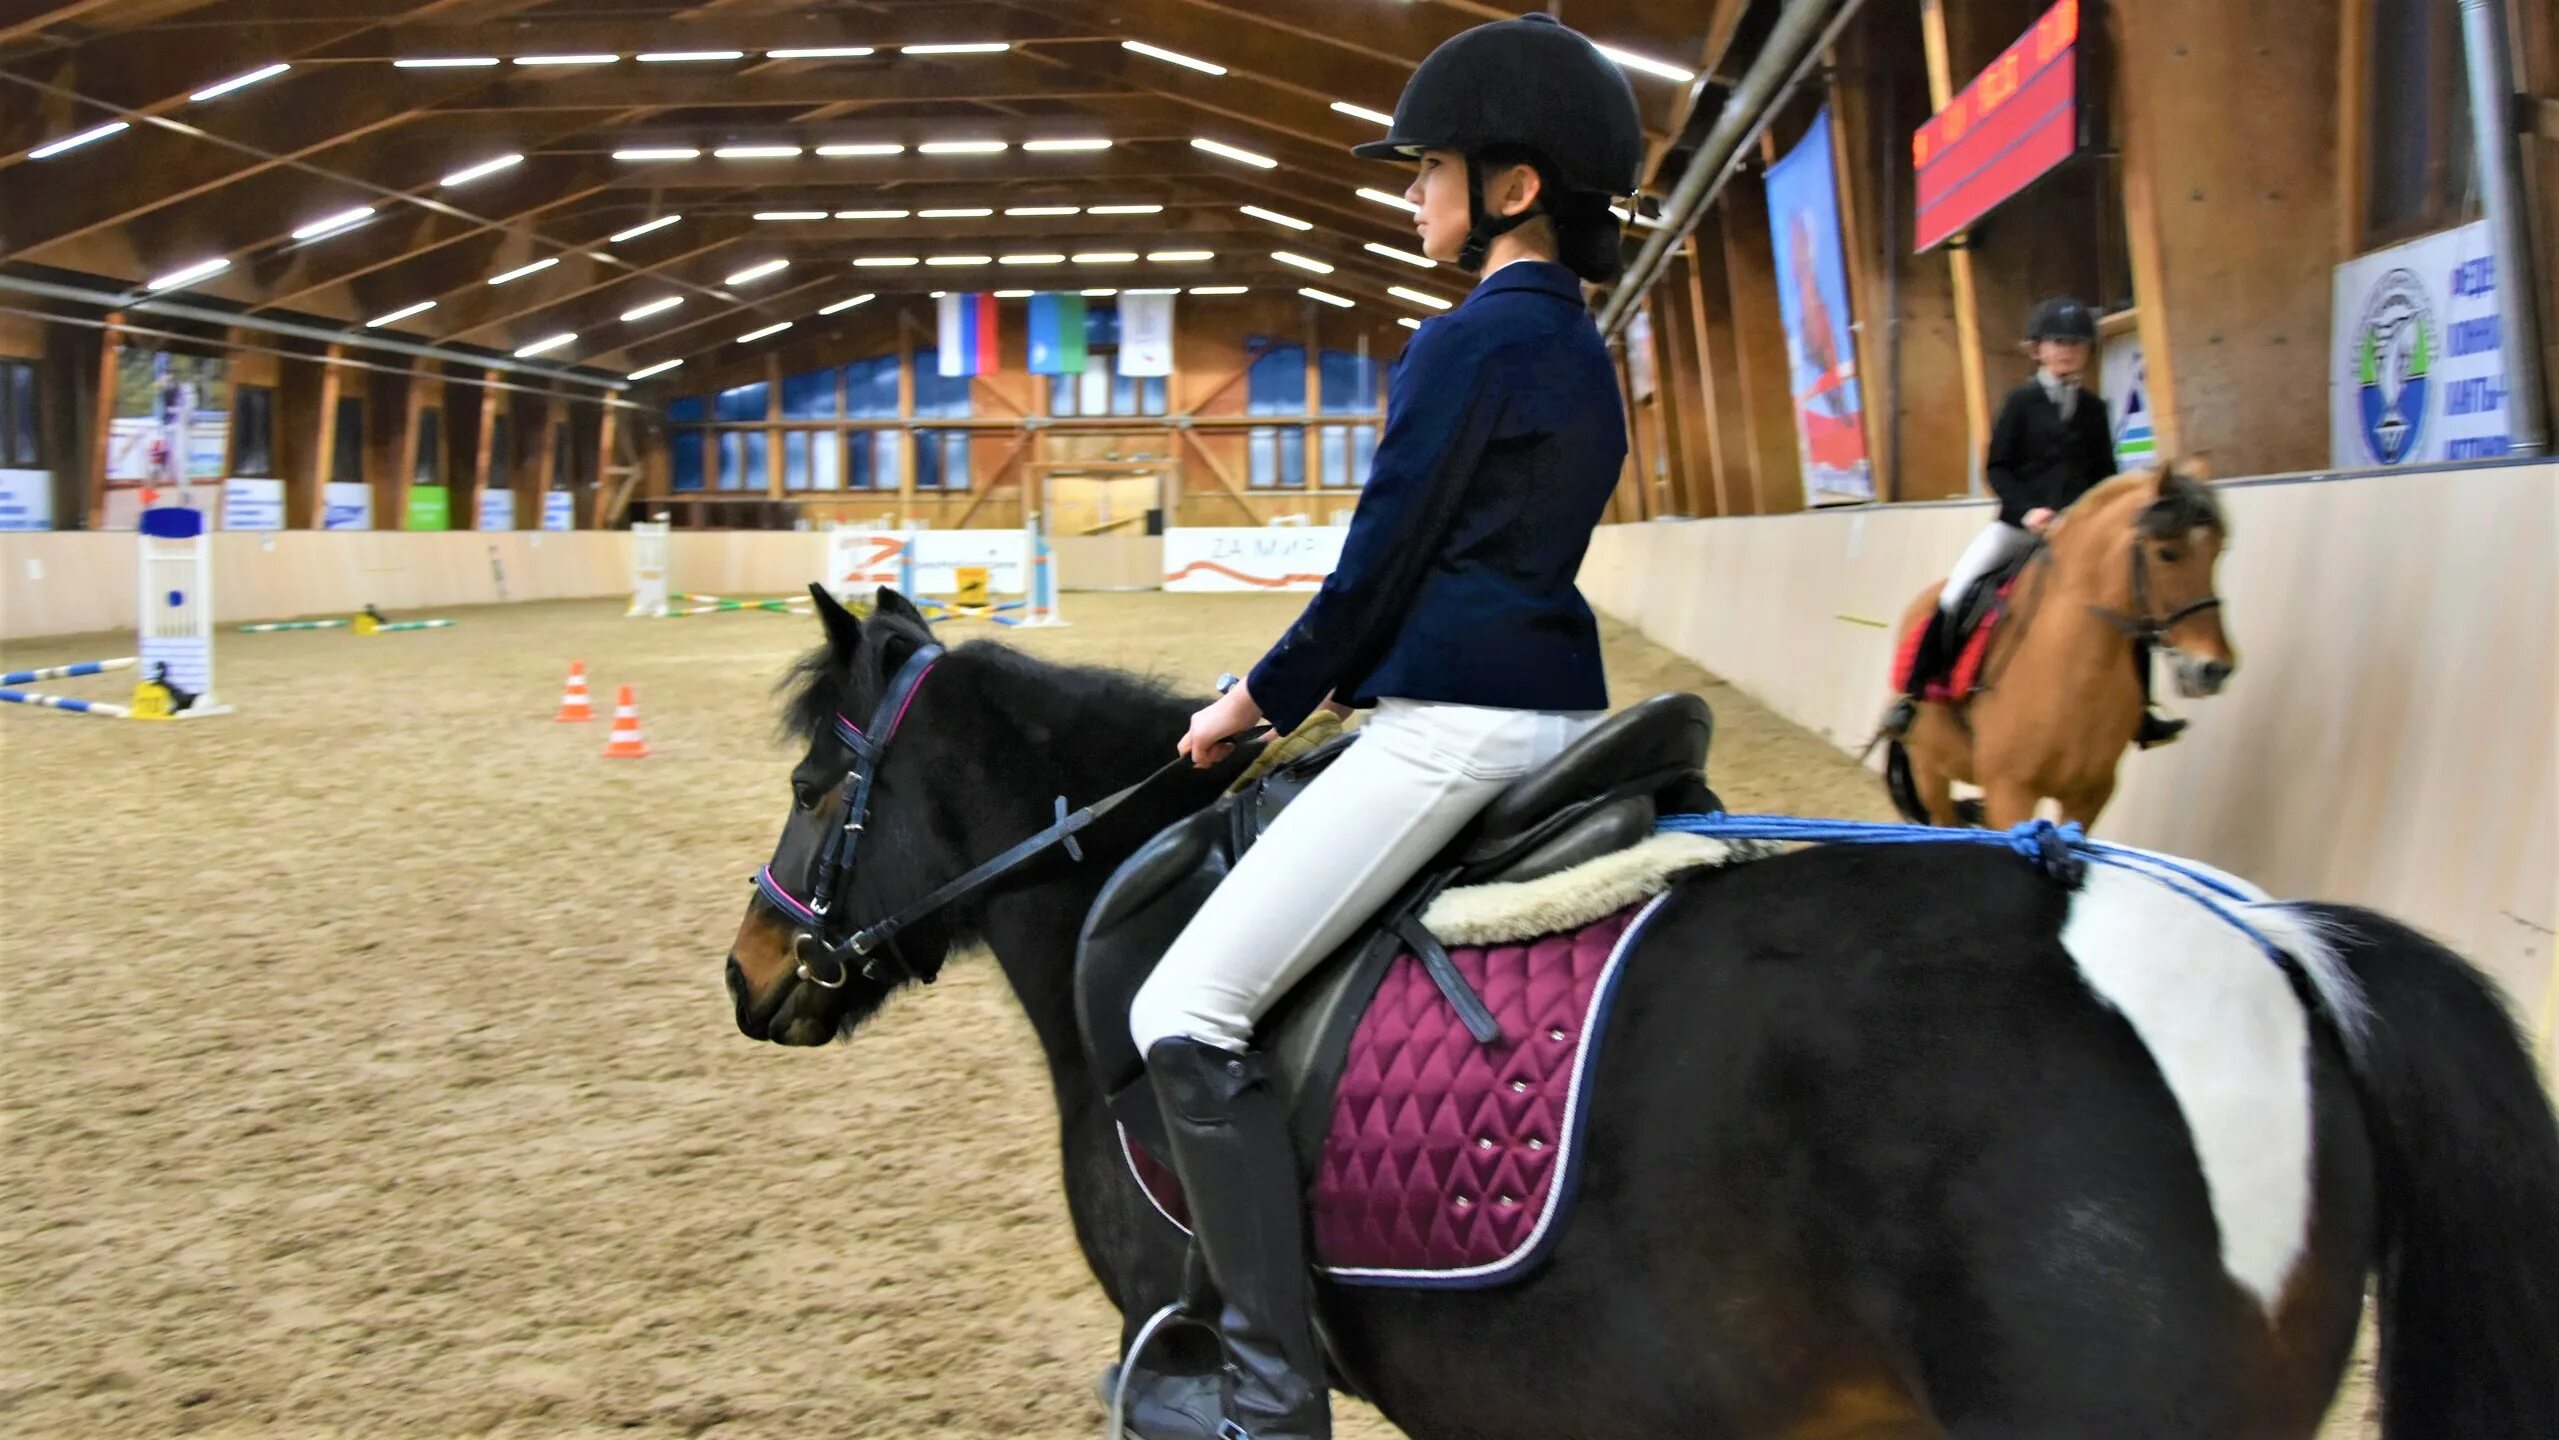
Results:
x,y
2062,318
1519,85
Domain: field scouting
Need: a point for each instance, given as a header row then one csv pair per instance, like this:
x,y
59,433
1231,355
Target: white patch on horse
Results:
x,y
2230,1038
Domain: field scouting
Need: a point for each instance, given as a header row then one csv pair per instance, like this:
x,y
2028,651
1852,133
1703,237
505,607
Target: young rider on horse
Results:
x,y
1452,611
2050,445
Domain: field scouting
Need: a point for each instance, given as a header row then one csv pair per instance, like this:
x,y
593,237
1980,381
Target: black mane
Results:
x,y
2184,504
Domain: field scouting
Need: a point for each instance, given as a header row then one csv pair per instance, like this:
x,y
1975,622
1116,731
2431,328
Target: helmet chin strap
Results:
x,y
1483,227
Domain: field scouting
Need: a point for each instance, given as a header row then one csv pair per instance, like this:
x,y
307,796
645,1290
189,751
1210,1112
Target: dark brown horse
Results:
x,y
1894,1141
2130,564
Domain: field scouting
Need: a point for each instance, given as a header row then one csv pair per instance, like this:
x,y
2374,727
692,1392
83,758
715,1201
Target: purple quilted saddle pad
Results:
x,y
1452,1164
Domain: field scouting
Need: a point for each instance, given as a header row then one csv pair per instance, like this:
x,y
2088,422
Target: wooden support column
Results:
x,y
1663,491
906,416
421,392
466,508
92,492
773,489
1759,329
1719,384
1959,266
535,482
607,430
304,508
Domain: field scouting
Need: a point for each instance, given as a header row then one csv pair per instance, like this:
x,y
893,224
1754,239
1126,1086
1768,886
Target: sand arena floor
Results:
x,y
364,1068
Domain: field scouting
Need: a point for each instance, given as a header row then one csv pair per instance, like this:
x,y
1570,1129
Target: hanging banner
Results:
x,y
430,508
1812,295
252,504
1639,354
2018,119
26,499
967,334
1056,334
1146,334
559,510
346,505
2416,365
2125,378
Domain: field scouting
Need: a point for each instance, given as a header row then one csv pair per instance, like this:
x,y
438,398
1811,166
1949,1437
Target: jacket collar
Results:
x,y
1544,275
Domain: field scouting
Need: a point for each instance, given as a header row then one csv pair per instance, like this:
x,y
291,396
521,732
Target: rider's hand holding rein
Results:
x,y
1211,737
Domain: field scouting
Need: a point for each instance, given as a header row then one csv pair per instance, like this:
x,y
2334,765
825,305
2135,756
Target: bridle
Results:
x,y
2141,625
826,947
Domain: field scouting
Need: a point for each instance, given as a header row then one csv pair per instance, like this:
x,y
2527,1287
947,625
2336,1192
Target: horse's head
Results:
x,y
784,987
2178,537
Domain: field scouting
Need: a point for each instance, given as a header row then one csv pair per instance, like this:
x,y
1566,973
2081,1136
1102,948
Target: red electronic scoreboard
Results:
x,y
2018,119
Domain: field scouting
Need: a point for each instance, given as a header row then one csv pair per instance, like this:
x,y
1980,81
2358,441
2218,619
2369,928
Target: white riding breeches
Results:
x,y
1998,543
1364,827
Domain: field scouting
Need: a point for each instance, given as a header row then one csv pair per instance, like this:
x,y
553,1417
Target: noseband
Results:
x,y
825,949
2141,625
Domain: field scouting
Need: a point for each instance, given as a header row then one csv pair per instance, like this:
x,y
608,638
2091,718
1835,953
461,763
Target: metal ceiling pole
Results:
x,y
1801,33
2492,125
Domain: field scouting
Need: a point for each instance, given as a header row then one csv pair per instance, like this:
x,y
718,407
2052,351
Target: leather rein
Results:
x,y
827,947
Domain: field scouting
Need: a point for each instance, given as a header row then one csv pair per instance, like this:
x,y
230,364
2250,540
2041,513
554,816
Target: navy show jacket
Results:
x,y
1504,438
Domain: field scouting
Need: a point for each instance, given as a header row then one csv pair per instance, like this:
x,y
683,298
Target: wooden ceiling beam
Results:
x,y
943,22
861,82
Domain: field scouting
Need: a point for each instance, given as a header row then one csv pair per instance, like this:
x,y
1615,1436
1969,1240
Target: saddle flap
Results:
x,y
1651,745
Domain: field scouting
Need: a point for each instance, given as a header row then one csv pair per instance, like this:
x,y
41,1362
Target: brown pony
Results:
x,y
2131,563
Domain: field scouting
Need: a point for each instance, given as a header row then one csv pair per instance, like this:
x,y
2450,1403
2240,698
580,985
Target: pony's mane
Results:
x,y
817,687
2177,502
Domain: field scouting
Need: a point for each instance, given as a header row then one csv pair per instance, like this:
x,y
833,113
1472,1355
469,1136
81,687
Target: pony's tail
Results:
x,y
2467,1159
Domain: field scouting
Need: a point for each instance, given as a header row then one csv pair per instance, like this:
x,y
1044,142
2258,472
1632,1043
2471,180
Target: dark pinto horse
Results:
x,y
1899,1141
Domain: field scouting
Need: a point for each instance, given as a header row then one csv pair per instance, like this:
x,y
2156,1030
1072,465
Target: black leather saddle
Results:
x,y
1602,794
1984,599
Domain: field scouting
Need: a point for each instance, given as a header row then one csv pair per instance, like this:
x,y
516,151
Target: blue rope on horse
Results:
x,y
2064,852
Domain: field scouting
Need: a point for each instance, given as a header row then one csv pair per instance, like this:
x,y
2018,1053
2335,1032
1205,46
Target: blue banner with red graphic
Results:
x,y
1812,295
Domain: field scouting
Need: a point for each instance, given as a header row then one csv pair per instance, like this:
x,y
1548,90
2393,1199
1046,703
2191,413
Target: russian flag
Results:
x,y
967,334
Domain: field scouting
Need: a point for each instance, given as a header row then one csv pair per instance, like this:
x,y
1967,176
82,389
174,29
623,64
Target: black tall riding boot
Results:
x,y
2155,729
1927,662
1230,1141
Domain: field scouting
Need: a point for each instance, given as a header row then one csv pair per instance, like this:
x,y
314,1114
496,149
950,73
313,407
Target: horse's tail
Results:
x,y
2466,1155
1899,785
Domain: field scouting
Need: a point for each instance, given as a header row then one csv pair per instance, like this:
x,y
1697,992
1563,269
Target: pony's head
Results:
x,y
834,692
2178,536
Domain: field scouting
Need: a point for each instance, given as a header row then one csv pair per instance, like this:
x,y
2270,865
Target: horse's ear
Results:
x,y
843,631
890,602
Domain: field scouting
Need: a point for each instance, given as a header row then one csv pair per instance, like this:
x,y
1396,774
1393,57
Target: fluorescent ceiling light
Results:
x,y
481,171
956,212
74,142
1417,297
1047,146
886,262
790,214
1327,296
960,260
521,271
679,57
1276,218
1231,152
1648,64
567,59
843,305
1027,211
660,368
538,347
1166,290
658,152
1302,262
1362,112
332,224
751,336
981,47
636,231
1098,291
1421,262
1178,257
863,148
197,271
1218,289
758,272
962,147
241,82
446,62
871,214
1107,257
938,294
755,152
396,316
1031,259
1173,57
822,52
1382,198
1015,294
1123,209
1408,322
654,307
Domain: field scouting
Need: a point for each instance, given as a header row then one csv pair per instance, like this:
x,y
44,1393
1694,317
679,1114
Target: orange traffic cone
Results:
x,y
626,742
573,701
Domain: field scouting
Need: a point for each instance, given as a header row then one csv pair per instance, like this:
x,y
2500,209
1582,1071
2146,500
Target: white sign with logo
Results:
x,y
26,499
2125,378
346,505
252,504
1279,557
497,509
2417,369
559,510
